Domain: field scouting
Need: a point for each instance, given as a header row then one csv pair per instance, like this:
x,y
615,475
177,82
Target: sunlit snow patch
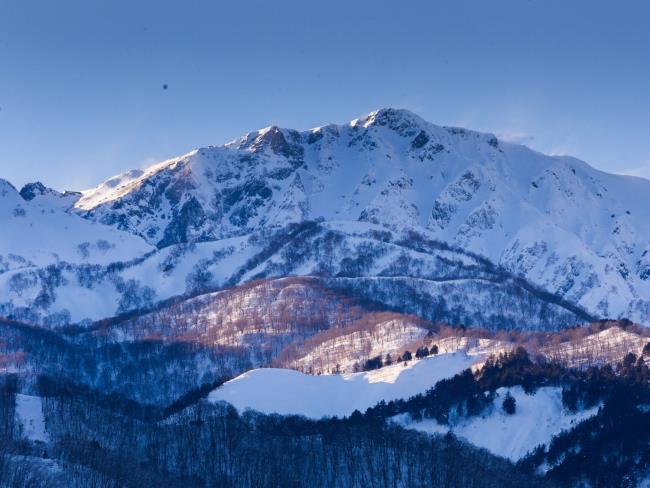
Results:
x,y
290,392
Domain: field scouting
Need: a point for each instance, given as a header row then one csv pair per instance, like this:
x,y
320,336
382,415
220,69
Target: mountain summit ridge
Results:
x,y
518,207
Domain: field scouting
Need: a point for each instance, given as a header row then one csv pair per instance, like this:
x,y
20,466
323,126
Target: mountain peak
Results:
x,y
31,190
6,186
393,118
281,142
38,192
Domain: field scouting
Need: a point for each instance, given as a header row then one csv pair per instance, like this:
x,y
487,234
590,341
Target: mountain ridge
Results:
x,y
522,210
518,207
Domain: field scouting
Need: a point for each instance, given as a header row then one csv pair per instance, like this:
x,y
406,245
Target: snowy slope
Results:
x,y
289,392
606,347
363,260
520,208
341,350
279,322
29,413
537,419
39,232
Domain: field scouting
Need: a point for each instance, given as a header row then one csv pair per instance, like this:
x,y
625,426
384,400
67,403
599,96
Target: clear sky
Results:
x,y
82,98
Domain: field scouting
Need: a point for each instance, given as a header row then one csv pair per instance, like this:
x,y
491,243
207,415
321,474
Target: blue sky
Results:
x,y
82,98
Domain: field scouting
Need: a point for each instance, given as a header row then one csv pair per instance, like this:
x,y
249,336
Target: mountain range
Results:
x,y
392,282
519,210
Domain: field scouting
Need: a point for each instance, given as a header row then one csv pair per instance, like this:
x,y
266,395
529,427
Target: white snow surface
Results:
x,y
537,419
101,299
41,232
29,412
288,392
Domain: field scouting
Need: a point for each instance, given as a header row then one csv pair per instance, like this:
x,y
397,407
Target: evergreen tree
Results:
x,y
373,363
509,404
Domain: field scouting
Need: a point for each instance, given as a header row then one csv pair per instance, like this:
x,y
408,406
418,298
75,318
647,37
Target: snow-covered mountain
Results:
x,y
565,226
398,271
315,273
409,209
37,230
